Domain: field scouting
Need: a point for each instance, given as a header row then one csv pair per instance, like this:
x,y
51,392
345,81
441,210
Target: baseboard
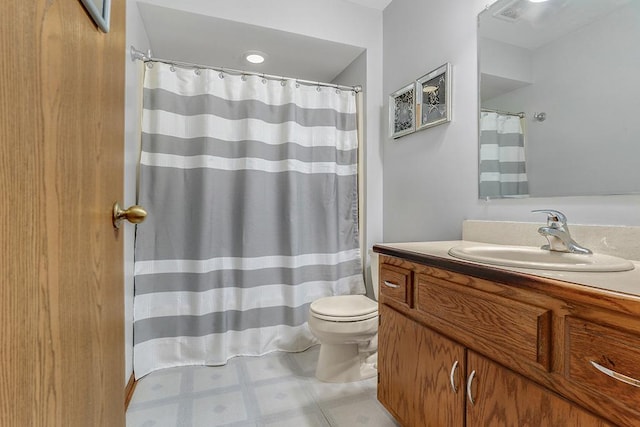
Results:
x,y
128,390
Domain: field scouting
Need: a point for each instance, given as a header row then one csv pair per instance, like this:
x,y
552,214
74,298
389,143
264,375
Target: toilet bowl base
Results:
x,y
343,363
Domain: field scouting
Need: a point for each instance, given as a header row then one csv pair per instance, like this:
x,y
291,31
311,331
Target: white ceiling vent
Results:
x,y
513,11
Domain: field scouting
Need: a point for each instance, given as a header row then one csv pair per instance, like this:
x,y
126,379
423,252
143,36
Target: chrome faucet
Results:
x,y
557,234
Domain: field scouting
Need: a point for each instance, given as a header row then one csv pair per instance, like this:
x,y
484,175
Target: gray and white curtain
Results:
x,y
251,189
502,156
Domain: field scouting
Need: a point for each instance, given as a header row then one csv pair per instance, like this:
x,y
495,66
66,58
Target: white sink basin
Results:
x,y
536,258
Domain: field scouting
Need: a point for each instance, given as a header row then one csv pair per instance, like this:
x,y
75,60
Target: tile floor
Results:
x,y
278,389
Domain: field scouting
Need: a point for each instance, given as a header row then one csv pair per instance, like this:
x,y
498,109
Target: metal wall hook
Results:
x,y
139,55
540,117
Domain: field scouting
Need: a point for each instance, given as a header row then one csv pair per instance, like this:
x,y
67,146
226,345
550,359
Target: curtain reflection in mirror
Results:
x,y
502,156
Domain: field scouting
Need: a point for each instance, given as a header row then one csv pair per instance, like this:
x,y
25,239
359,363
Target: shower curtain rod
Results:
x,y
508,113
141,56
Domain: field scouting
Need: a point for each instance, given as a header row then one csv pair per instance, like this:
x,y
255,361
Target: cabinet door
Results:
x,y
416,370
504,398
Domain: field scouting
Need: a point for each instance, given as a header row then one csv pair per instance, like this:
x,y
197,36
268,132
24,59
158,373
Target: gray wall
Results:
x,y
505,60
355,74
427,175
430,177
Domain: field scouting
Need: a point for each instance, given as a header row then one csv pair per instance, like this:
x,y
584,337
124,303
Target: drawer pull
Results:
x,y
616,375
469,382
453,372
391,285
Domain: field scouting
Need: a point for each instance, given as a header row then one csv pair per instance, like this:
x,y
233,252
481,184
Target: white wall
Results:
x,y
430,177
137,37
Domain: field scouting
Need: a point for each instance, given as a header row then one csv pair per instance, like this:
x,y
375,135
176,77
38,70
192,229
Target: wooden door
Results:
x,y
61,168
415,367
504,398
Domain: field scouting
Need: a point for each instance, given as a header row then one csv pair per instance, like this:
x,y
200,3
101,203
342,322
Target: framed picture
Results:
x,y
402,117
433,97
99,11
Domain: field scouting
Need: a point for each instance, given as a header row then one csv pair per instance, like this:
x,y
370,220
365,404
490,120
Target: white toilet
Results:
x,y
347,328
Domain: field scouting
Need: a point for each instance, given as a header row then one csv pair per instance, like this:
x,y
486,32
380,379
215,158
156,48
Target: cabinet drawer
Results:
x,y
395,284
592,348
488,322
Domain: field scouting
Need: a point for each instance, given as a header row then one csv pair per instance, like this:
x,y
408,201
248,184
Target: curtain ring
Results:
x,y
318,88
149,64
264,80
297,84
243,78
197,71
172,68
283,82
221,74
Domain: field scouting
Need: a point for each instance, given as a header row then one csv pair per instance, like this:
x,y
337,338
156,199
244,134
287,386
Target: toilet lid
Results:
x,y
344,308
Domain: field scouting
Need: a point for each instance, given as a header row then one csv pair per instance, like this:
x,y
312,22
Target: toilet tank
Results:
x,y
375,283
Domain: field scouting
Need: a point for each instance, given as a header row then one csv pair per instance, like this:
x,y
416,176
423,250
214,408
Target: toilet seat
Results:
x,y
344,308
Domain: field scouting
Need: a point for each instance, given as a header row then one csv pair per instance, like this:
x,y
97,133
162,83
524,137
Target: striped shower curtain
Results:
x,y
251,189
502,156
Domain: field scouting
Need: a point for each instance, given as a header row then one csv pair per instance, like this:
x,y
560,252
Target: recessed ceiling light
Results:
x,y
254,57
538,1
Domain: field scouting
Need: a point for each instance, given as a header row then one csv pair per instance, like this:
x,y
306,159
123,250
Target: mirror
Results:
x,y
559,98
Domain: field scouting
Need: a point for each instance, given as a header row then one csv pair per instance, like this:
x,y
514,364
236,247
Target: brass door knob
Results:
x,y
135,214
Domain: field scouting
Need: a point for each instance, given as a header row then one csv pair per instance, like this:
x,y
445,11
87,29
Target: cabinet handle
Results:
x,y
453,372
469,381
616,375
391,285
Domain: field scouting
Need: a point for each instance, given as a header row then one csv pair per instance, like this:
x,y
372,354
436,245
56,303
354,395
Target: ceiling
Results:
x,y
206,40
536,24
375,4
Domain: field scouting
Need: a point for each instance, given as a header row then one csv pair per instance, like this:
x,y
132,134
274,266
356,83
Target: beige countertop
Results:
x,y
626,282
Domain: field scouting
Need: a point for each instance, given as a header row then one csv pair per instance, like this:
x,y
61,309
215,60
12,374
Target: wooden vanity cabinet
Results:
x,y
504,398
396,286
457,350
417,372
